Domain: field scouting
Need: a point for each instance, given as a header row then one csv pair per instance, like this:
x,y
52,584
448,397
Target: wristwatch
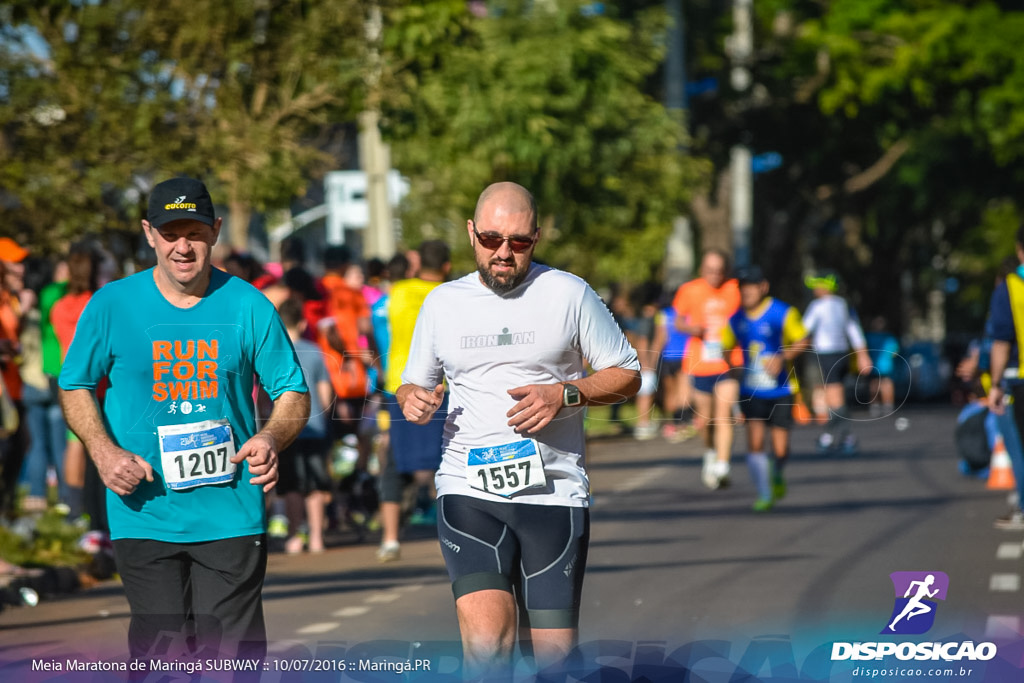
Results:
x,y
570,395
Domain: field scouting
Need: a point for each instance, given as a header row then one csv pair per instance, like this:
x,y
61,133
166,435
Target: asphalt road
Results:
x,y
680,579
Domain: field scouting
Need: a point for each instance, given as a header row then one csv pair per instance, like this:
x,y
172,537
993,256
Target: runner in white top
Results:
x,y
833,330
513,340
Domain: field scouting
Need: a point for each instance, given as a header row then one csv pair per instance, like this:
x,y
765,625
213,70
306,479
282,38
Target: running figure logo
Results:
x,y
914,612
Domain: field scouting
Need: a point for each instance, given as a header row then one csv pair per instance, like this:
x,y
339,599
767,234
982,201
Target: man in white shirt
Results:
x,y
834,330
513,341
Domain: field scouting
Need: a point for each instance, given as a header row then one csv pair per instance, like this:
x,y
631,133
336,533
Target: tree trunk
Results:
x,y
712,214
239,215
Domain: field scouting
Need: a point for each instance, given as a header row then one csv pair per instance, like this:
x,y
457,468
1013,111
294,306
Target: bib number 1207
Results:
x,y
207,462
506,469
197,454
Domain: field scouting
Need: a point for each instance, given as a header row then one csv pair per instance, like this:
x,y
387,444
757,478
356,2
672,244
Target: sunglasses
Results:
x,y
517,243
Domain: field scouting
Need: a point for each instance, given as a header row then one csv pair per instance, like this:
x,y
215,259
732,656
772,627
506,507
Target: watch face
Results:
x,y
570,395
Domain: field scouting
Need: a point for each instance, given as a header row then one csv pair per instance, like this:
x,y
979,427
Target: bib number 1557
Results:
x,y
506,469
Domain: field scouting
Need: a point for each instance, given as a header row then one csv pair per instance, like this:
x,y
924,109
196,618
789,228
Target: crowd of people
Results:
x,y
179,408
720,350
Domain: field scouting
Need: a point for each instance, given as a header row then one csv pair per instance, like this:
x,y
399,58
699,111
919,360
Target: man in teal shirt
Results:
x,y
176,444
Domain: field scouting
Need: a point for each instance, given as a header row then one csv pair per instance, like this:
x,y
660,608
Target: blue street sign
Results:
x,y
704,85
762,163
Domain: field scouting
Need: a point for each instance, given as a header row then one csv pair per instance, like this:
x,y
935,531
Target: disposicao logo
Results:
x,y
916,592
913,613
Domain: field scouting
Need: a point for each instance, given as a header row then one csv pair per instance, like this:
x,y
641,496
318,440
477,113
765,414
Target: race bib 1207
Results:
x,y
197,454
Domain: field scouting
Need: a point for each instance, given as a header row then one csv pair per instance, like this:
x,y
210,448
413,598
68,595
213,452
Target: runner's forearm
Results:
x,y
999,358
83,418
289,416
611,385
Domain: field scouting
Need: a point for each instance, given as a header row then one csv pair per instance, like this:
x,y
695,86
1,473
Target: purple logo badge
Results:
x,y
916,592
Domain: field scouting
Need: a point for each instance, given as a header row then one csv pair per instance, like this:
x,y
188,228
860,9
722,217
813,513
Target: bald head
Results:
x,y
506,198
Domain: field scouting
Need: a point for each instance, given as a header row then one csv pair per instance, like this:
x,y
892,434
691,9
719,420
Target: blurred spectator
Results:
x,y
45,421
884,349
673,382
12,450
346,337
304,480
1006,315
247,267
643,300
83,281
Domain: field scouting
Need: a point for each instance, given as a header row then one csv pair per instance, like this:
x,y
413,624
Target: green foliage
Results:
x,y
556,100
900,126
53,543
99,99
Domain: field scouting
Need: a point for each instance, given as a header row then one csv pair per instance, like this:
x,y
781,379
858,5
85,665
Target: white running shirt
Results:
x,y
833,329
542,332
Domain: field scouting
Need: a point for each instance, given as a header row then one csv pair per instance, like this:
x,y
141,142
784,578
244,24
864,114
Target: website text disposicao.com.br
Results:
x,y
956,660
905,672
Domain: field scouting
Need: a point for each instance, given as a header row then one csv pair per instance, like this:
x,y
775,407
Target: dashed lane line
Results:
x,y
322,627
641,479
1009,551
1004,583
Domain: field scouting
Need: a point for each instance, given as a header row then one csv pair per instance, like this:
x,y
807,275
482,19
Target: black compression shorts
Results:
x,y
537,552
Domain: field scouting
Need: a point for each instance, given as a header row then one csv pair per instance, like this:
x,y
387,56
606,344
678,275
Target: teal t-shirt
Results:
x,y
173,366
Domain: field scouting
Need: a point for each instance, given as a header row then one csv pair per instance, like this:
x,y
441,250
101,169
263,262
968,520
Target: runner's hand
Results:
x,y
261,453
122,471
773,364
420,404
538,404
996,400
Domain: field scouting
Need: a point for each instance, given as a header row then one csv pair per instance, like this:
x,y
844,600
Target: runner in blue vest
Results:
x,y
771,335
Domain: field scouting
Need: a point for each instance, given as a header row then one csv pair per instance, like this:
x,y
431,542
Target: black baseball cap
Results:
x,y
750,275
180,199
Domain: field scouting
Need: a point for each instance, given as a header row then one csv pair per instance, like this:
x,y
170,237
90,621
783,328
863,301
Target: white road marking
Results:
x,y
642,478
1009,551
410,588
322,627
383,598
356,611
1006,583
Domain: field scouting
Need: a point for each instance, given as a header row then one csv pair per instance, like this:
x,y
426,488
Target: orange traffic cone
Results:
x,y
1000,472
801,414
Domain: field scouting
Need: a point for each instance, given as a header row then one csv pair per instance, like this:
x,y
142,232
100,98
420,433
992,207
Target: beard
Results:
x,y
506,282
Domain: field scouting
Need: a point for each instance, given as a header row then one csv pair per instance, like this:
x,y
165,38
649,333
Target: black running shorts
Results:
x,y
777,412
537,552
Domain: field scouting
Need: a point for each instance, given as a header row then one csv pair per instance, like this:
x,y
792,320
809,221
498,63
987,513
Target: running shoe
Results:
x,y
722,474
763,504
849,445
389,552
682,433
277,527
778,488
1011,521
668,430
426,517
707,474
645,432
826,442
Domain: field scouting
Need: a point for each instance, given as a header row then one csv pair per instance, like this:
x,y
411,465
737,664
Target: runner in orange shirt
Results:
x,y
703,307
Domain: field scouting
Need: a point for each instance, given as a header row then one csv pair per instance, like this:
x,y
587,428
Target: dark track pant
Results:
x,y
195,598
